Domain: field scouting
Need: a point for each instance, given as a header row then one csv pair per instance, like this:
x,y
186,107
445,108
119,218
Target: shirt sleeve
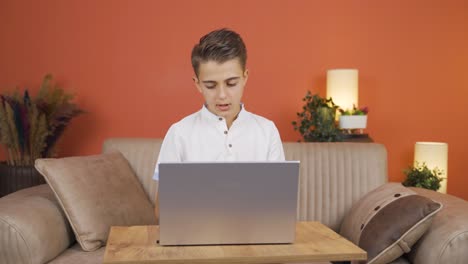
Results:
x,y
170,150
276,152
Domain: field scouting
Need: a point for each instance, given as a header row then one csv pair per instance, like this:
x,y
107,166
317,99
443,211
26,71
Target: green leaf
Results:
x,y
317,120
421,176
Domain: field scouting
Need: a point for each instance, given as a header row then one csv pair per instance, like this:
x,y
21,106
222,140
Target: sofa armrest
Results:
x,y
33,227
446,241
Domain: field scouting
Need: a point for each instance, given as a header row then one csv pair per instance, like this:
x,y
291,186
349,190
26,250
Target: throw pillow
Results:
x,y
388,221
97,192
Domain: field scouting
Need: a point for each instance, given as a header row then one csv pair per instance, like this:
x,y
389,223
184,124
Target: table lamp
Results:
x,y
342,87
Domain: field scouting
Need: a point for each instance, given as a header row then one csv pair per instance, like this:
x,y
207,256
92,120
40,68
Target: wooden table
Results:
x,y
314,242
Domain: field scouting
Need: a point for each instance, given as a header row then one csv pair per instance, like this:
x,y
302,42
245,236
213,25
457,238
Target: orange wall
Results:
x,y
128,63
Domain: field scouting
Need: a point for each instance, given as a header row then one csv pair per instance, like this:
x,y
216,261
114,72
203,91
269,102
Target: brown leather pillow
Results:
x,y
97,192
388,221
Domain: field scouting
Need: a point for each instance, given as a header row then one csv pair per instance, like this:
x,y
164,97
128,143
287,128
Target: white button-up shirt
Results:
x,y
204,136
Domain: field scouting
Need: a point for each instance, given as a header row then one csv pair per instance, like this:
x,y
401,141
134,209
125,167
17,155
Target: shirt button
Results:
x,y
230,145
225,132
220,119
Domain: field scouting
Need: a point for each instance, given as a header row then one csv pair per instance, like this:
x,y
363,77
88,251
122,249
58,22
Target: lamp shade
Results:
x,y
342,87
434,154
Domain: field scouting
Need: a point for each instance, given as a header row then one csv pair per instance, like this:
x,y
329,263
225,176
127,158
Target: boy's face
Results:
x,y
222,86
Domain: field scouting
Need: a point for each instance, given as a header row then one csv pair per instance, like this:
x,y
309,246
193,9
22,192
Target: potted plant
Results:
x,y
421,176
317,120
29,129
354,118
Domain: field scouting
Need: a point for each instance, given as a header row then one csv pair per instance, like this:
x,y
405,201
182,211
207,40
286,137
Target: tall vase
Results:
x,y
14,178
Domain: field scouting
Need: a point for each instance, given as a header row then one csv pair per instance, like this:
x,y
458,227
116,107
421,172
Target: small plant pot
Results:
x,y
15,178
353,121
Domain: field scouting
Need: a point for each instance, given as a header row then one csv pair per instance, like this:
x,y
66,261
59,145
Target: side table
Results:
x,y
357,138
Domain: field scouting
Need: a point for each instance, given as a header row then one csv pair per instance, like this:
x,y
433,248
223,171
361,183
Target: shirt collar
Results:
x,y
206,114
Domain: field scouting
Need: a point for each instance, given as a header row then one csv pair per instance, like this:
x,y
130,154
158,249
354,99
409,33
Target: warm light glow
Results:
x,y
434,154
342,87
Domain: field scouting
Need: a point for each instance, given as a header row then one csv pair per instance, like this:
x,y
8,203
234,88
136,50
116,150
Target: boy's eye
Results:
x,y
232,84
210,86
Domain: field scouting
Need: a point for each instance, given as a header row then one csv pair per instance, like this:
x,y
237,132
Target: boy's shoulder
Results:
x,y
259,119
187,121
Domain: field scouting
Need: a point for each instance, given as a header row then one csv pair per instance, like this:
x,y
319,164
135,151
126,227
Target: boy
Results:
x,y
222,130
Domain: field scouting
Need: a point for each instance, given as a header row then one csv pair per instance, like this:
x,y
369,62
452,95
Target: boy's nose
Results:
x,y
222,92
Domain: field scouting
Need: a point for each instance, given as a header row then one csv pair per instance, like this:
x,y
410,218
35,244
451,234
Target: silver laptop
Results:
x,y
228,203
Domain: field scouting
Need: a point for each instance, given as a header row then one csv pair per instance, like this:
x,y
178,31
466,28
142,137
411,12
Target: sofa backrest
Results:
x,y
142,154
332,175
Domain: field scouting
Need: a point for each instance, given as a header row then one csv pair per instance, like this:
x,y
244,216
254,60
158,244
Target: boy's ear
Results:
x,y
246,75
197,83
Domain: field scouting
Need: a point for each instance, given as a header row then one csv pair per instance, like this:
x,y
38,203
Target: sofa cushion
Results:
x,y
388,221
29,218
400,260
446,241
97,192
75,255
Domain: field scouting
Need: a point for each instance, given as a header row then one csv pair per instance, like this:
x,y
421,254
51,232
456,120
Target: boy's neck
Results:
x,y
229,122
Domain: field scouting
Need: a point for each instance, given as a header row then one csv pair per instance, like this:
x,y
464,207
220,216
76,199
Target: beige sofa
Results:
x,y
333,176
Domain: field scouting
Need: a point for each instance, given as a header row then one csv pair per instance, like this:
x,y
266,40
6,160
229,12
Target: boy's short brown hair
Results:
x,y
220,45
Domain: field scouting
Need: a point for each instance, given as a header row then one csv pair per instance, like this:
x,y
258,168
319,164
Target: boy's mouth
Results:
x,y
223,107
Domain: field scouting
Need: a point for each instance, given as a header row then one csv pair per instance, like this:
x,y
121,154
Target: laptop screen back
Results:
x,y
228,203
